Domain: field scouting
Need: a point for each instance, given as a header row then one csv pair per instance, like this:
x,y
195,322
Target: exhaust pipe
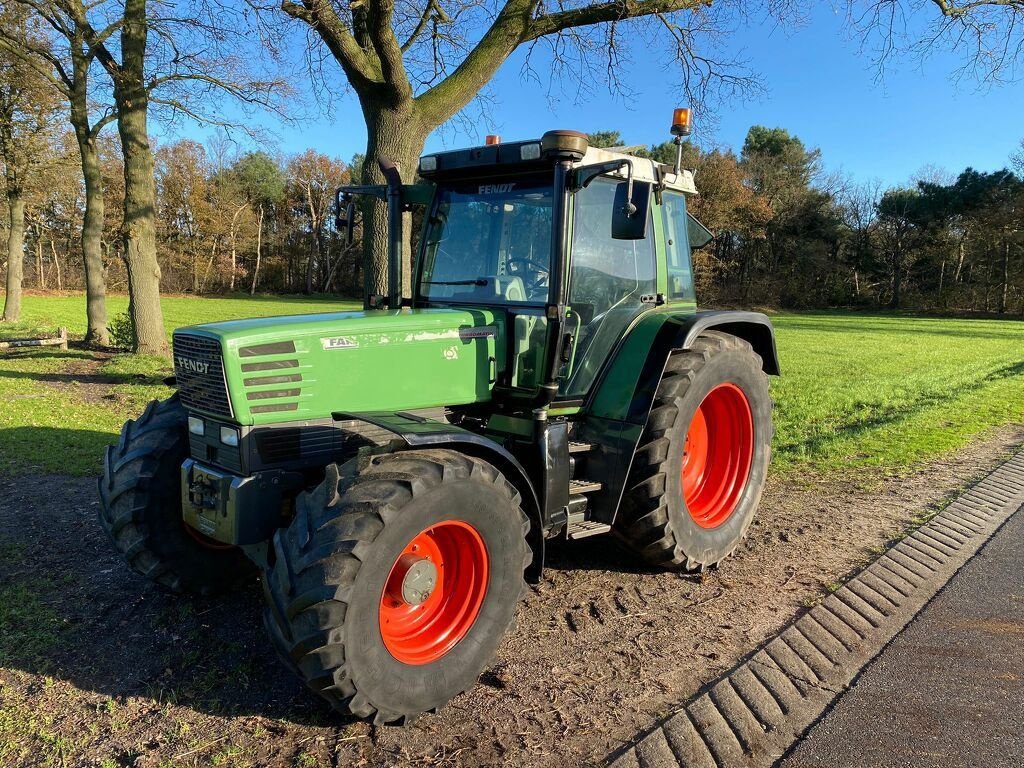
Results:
x,y
395,241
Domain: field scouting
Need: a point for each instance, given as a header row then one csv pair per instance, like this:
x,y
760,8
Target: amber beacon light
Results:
x,y
681,122
492,138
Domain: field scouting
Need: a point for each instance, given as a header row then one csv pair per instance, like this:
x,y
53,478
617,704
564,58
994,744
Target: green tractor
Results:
x,y
392,475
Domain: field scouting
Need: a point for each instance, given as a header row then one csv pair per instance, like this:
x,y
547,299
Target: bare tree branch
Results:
x,y
988,35
319,15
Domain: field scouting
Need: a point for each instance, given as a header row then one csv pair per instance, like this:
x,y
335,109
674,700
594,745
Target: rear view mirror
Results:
x,y
345,217
629,216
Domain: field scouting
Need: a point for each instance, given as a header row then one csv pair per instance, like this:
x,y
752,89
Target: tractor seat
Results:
x,y
506,289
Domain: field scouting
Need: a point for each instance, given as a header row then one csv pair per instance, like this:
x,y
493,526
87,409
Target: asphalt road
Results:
x,y
949,690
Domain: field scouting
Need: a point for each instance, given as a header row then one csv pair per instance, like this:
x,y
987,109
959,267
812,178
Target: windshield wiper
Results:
x,y
477,281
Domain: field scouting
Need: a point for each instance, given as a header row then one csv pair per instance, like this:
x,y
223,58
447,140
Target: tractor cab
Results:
x,y
569,243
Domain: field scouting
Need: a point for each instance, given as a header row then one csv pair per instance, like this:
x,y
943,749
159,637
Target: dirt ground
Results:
x,y
100,668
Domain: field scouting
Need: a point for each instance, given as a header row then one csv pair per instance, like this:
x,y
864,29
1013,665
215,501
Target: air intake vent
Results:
x,y
199,370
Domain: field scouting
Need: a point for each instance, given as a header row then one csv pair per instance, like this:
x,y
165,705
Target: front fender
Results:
x,y
417,432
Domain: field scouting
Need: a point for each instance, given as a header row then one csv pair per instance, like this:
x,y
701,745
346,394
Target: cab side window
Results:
x,y
607,280
680,275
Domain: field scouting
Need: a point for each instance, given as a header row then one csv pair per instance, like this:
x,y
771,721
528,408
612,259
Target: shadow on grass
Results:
x,y
71,609
35,449
48,352
89,378
853,325
83,366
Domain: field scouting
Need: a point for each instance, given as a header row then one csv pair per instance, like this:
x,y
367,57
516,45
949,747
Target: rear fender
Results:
x,y
749,326
617,414
414,431
679,333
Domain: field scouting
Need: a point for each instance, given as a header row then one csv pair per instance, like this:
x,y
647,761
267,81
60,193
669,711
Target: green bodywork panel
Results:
x,y
304,367
615,390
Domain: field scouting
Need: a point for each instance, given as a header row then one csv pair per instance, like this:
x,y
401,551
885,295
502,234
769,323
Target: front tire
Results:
x,y
700,467
140,508
389,592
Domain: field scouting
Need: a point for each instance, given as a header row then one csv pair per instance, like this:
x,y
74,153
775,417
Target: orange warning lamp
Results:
x,y
682,122
492,138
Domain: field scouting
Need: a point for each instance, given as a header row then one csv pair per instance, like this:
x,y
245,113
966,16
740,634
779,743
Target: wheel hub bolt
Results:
x,y
419,580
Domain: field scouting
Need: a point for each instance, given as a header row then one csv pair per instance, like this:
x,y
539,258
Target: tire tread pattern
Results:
x,y
317,558
130,485
644,523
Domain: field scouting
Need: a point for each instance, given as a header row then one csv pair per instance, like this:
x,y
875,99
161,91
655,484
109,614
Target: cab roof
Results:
x,y
524,156
644,169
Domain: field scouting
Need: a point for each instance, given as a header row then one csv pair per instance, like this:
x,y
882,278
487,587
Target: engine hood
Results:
x,y
302,367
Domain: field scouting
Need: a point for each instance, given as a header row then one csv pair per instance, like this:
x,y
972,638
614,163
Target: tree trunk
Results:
x,y
259,246
1006,273
15,254
234,253
139,229
209,265
395,133
897,279
960,259
40,275
92,220
315,253
56,264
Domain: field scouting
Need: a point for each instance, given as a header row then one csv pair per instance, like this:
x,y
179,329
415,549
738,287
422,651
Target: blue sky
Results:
x,y
819,85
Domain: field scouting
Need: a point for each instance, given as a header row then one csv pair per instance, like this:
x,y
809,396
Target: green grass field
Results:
x,y
69,311
857,391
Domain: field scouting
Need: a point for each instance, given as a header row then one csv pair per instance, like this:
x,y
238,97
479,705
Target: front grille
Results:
x,y
199,370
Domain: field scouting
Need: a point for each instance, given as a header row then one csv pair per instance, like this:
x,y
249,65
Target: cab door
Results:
x,y
611,281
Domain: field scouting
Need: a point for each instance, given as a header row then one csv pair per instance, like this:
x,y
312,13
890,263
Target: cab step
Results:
x,y
578,486
576,446
585,528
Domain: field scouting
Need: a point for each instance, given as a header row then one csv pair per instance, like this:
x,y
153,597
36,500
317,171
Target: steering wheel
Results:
x,y
540,278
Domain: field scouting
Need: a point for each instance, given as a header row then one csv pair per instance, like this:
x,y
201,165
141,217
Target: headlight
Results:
x,y
229,436
196,426
529,152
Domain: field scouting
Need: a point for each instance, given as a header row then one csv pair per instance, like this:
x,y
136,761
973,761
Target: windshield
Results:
x,y
489,242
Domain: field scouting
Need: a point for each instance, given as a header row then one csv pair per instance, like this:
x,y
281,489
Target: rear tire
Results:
x,y
333,593
682,512
140,508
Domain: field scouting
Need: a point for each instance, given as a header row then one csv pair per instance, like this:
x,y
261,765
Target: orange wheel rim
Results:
x,y
434,592
717,456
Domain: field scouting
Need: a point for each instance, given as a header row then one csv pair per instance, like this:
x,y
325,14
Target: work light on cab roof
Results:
x,y
391,475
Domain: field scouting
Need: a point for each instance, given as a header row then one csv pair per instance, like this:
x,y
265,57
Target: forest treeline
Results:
x,y
788,234
226,221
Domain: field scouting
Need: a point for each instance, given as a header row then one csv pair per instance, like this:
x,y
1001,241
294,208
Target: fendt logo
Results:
x,y
496,189
195,366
